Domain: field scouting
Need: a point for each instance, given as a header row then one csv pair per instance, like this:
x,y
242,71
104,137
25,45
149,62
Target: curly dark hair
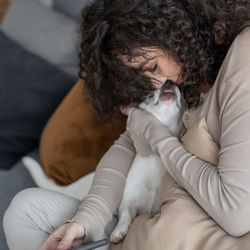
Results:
x,y
185,29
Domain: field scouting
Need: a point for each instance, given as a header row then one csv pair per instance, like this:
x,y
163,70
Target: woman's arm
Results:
x,y
223,191
98,207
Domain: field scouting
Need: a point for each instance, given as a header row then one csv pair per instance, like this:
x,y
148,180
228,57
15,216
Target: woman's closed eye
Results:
x,y
154,68
151,69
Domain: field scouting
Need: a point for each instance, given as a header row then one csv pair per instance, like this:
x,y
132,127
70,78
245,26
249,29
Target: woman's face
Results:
x,y
158,66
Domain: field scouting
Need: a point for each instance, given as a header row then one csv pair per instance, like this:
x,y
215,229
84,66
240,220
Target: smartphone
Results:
x,y
92,245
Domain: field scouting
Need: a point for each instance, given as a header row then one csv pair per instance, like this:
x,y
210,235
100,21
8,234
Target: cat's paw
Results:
x,y
119,234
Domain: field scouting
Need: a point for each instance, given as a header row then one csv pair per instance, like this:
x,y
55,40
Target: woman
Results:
x,y
128,49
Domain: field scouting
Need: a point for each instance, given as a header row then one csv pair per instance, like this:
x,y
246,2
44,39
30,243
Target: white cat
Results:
x,y
141,192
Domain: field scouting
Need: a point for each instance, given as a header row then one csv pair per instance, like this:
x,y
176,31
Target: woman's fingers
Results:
x,y
125,109
52,241
67,239
63,237
77,243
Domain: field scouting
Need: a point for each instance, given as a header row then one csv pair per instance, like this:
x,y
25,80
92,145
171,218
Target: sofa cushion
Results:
x,y
44,32
199,142
30,90
74,139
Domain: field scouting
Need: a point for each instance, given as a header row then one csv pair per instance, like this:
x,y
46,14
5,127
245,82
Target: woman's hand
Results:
x,y
125,109
66,236
145,130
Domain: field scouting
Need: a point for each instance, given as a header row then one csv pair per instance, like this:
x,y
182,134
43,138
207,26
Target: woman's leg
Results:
x,y
34,214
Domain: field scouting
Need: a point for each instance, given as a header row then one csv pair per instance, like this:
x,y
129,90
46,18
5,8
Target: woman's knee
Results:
x,y
19,205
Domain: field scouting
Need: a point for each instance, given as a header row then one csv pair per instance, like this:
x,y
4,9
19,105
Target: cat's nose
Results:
x,y
167,85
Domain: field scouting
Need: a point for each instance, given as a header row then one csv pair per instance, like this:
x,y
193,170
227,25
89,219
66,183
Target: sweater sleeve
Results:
x,y
223,191
98,207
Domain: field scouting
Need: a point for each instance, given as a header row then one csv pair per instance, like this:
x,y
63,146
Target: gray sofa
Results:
x,y
39,67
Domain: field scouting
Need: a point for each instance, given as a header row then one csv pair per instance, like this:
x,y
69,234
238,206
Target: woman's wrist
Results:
x,y
93,230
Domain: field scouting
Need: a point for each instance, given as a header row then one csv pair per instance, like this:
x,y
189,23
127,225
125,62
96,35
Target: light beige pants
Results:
x,y
35,213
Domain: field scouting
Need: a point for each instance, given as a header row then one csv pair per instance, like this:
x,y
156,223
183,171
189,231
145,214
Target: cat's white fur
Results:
x,y
143,183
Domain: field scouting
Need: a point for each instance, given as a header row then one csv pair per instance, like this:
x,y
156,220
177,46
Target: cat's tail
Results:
x,y
78,189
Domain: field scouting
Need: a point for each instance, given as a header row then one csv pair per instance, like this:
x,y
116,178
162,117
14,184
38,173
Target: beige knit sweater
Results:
x,y
223,191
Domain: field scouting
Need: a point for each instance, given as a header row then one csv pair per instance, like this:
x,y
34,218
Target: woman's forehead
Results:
x,y
143,55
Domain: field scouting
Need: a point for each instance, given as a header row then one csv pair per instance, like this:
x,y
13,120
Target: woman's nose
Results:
x,y
159,83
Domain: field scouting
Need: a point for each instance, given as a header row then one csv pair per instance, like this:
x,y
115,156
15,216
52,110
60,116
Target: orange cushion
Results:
x,y
74,140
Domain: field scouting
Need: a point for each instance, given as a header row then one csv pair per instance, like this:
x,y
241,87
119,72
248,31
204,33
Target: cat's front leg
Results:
x,y
125,218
